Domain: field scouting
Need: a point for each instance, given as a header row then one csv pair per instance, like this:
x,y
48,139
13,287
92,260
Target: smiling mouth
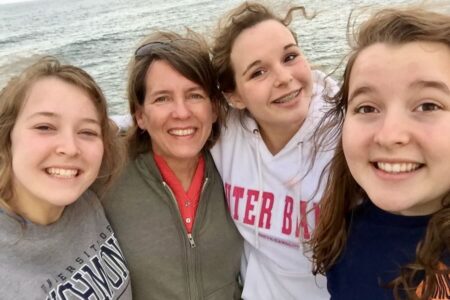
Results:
x,y
288,97
395,168
62,173
182,132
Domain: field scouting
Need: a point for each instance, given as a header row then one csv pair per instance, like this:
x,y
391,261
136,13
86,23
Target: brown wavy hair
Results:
x,y
12,99
395,26
189,55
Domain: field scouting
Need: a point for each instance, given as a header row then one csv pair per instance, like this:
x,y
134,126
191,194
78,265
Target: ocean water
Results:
x,y
100,35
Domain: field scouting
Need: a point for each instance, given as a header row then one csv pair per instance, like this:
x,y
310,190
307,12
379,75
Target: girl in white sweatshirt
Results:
x,y
264,154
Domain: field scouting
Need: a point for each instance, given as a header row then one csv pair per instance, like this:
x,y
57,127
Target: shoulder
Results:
x,y
11,228
87,206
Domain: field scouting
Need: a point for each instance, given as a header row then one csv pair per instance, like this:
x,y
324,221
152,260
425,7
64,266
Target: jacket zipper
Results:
x,y
191,240
189,235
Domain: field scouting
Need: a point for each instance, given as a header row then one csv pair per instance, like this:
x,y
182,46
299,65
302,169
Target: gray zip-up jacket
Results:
x,y
163,261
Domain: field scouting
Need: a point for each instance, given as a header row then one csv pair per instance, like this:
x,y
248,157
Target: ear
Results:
x,y
235,100
140,120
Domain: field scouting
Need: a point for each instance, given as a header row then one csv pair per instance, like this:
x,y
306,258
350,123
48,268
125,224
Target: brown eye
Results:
x,y
428,106
257,73
290,57
160,99
44,127
365,109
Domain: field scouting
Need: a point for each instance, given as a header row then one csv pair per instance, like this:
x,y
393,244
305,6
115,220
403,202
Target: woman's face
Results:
x,y
273,79
56,147
177,113
396,133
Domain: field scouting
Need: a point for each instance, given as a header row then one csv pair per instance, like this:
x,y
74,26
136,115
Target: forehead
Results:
x,y
56,95
261,40
162,75
381,63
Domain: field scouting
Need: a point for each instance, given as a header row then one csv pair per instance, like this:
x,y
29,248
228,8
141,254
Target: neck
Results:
x,y
276,138
184,169
36,211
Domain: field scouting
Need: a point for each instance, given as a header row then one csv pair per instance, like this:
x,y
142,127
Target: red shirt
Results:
x,y
187,200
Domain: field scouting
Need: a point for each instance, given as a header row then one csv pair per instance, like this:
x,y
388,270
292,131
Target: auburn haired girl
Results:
x,y
385,215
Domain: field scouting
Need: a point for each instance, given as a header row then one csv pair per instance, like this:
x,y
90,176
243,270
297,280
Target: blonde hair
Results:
x,y
12,98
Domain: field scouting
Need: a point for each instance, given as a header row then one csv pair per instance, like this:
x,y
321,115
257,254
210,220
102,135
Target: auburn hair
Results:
x,y
394,26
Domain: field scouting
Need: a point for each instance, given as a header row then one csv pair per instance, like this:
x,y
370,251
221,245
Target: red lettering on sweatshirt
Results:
x,y
303,226
238,193
227,195
252,198
287,216
301,223
266,210
293,216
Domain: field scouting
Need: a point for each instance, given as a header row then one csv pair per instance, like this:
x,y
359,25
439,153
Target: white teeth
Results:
x,y
288,97
397,167
63,173
182,132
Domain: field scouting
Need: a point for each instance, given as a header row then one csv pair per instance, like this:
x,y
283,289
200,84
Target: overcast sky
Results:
x,y
13,1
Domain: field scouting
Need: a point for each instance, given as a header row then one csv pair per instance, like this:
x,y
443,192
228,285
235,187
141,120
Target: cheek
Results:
x,y
26,147
204,112
95,153
351,141
152,119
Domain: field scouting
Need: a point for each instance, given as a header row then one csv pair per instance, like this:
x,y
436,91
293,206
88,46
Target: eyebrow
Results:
x,y
55,116
431,84
360,91
256,62
164,91
417,84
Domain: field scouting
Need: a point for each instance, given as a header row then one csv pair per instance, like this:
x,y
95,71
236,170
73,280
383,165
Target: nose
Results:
x,y
181,109
68,144
394,131
283,76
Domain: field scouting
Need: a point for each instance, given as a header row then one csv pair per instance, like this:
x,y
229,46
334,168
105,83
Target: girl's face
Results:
x,y
56,147
177,113
396,134
273,79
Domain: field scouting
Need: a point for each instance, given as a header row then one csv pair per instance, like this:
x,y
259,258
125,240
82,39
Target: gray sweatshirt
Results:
x,y
78,257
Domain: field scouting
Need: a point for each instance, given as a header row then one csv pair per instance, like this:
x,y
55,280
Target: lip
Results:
x,y
65,172
293,95
181,132
396,173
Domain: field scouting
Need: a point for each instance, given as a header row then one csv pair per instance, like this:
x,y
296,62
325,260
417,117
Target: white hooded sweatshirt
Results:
x,y
273,200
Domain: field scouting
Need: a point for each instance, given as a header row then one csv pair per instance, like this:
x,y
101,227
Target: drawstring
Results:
x,y
296,181
300,183
260,187
297,178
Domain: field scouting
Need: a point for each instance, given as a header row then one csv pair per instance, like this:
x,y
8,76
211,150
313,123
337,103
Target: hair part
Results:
x,y
393,26
189,56
13,97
